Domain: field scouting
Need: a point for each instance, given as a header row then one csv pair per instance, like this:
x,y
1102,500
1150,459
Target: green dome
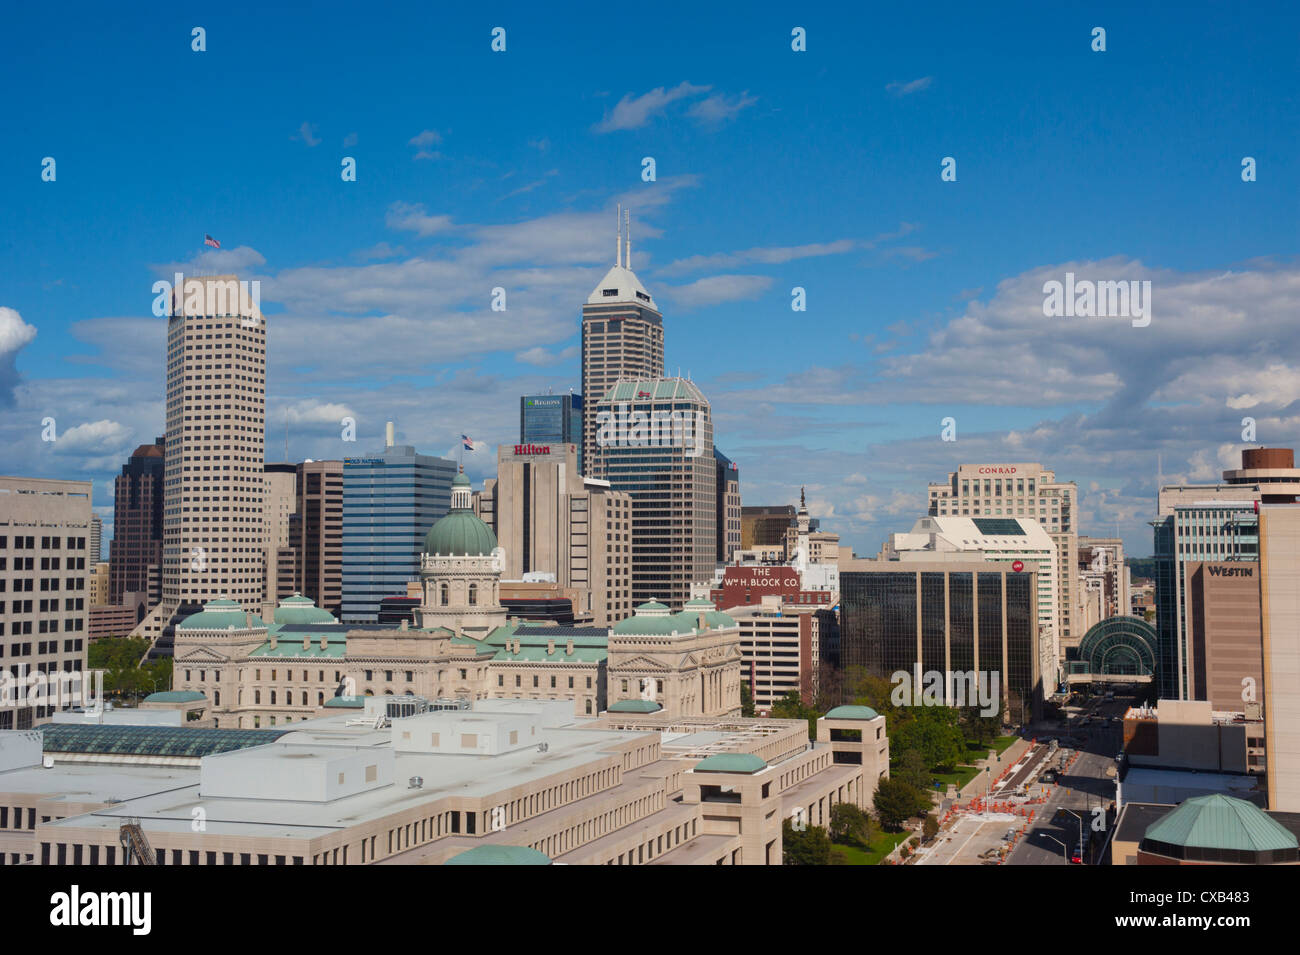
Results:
x,y
221,614
300,609
852,713
499,855
175,696
460,534
1221,822
731,763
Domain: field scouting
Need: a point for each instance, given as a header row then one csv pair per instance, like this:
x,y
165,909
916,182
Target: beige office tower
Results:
x,y
1279,571
96,544
549,519
45,575
622,338
280,486
213,472
1025,491
655,442
318,537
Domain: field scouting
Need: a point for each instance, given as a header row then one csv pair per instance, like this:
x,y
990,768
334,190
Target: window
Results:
x,y
442,594
473,595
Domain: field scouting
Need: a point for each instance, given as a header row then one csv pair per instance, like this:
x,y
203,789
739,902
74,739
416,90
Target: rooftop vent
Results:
x,y
415,782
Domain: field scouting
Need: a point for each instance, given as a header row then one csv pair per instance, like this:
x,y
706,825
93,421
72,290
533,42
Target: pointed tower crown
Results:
x,y
620,283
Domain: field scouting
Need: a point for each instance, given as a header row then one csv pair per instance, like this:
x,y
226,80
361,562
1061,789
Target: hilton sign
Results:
x,y
532,449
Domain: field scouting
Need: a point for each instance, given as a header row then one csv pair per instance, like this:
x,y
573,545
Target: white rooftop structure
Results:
x,y
620,283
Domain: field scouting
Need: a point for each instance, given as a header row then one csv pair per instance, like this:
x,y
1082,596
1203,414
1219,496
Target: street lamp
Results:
x,y
1080,818
1059,843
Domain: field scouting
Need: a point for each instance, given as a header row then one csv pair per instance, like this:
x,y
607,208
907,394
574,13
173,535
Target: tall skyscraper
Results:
x,y
318,535
1208,522
45,575
216,421
135,552
1279,566
551,420
728,505
1025,491
622,340
549,519
390,500
655,442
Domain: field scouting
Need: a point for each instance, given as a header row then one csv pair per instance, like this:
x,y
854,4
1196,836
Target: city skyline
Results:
x,y
380,309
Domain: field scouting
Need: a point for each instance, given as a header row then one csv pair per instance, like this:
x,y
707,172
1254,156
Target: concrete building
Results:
x,y
109,621
95,548
44,576
945,616
1103,589
213,467
1193,736
317,535
397,783
549,519
727,502
1209,522
1225,649
552,420
135,552
622,339
97,593
390,499
280,483
1279,568
655,443
1029,492
1019,543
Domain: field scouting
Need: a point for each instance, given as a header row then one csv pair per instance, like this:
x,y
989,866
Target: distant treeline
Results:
x,y
1141,567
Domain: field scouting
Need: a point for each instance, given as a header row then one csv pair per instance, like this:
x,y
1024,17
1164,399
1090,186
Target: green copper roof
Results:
x,y
221,615
652,605
852,713
656,624
346,702
1221,822
659,389
499,855
635,706
300,609
460,480
460,534
731,763
175,696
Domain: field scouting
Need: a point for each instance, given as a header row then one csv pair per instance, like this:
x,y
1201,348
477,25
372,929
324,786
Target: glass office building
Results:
x,y
390,500
551,419
947,620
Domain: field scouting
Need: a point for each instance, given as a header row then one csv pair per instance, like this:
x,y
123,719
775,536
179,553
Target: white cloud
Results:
x,y
413,217
15,334
307,134
914,86
720,107
633,112
771,255
717,289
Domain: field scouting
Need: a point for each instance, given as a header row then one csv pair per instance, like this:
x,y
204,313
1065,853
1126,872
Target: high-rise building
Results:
x,y
728,505
1208,522
215,448
280,481
390,499
1020,543
1224,643
135,552
317,534
45,575
1279,566
551,420
622,339
655,443
1023,491
549,519
96,546
944,616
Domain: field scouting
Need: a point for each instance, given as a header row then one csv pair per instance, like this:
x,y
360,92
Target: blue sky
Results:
x,y
775,169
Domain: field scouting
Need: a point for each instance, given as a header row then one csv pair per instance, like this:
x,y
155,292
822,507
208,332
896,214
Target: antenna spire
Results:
x,y
627,224
618,236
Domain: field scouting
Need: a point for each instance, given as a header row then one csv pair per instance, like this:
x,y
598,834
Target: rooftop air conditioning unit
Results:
x,y
415,782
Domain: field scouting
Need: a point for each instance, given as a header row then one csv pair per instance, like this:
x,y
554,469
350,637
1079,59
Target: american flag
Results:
x,y
208,240
468,442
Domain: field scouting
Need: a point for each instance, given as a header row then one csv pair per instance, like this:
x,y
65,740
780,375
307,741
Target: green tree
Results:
x,y
934,732
792,707
930,828
850,824
808,847
746,700
897,801
911,769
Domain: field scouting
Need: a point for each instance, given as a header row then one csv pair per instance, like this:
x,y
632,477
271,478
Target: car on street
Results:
x,y
1076,859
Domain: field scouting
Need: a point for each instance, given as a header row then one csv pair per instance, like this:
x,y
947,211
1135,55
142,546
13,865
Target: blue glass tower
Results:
x,y
390,500
551,419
